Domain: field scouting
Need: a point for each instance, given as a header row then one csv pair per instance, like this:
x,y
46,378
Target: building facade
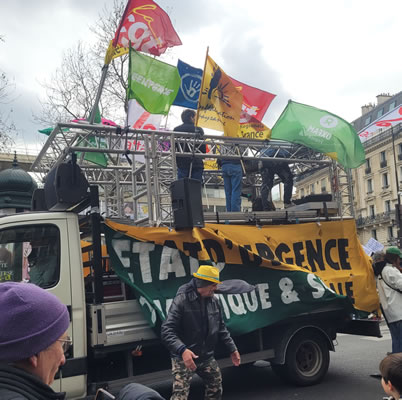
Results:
x,y
377,182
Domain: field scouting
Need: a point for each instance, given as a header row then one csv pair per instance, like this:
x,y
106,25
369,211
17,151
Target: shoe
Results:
x,y
287,205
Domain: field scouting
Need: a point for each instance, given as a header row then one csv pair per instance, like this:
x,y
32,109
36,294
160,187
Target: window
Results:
x,y
380,112
367,120
369,185
31,254
323,185
392,105
372,211
367,170
302,192
400,148
374,234
385,183
387,206
312,188
390,232
383,159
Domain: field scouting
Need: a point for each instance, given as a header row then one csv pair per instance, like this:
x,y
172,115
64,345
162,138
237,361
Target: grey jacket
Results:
x,y
187,327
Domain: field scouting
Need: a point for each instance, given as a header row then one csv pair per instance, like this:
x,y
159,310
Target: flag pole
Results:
x,y
99,93
202,83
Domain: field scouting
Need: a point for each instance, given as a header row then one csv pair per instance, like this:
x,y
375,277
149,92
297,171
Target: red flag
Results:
x,y
147,27
255,102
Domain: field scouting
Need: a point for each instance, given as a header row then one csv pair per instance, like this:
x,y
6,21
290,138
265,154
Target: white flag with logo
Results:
x,y
138,118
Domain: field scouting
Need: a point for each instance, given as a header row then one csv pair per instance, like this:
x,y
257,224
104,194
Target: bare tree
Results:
x,y
7,126
71,91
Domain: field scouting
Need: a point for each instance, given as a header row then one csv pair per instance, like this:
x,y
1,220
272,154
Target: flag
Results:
x,y
138,118
220,103
48,131
254,107
146,26
189,91
321,131
92,141
153,83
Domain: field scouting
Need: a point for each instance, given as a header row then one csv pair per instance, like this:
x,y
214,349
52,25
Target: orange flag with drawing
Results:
x,y
220,103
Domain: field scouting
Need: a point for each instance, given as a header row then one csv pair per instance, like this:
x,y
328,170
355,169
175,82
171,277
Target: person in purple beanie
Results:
x,y
33,340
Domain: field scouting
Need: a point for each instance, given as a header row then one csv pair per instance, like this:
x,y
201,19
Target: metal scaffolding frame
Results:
x,y
147,172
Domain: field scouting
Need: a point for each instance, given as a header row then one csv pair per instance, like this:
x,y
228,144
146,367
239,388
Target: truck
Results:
x,y
110,295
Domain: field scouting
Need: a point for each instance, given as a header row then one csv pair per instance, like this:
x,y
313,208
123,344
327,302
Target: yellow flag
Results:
x,y
219,106
254,130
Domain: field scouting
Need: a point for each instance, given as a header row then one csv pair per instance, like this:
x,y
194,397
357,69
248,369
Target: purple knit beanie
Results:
x,y
31,319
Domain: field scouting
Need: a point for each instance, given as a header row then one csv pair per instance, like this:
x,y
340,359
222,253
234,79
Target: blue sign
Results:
x,y
189,90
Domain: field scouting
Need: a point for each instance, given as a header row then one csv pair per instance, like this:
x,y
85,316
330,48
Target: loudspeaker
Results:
x,y
187,203
38,200
65,187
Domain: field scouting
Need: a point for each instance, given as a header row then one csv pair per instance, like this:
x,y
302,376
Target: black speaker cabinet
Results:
x,y
38,200
65,187
187,203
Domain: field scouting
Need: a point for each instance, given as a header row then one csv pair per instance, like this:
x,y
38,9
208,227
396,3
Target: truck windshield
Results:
x,y
30,254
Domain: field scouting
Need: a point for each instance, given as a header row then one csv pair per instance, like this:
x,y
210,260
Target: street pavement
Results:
x,y
348,377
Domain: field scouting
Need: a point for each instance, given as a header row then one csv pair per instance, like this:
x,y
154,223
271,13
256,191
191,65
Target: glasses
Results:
x,y
66,343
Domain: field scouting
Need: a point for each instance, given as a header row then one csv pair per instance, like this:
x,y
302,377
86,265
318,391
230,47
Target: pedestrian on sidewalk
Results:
x,y
389,285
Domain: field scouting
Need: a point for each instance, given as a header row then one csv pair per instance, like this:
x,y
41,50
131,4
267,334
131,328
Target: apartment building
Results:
x,y
375,183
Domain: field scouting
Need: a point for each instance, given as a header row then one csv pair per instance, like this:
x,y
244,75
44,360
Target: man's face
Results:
x,y
50,360
207,291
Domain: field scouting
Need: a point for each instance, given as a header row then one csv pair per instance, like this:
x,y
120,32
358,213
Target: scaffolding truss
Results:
x,y
141,164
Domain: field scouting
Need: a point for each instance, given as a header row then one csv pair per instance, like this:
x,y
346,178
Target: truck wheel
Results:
x,y
306,361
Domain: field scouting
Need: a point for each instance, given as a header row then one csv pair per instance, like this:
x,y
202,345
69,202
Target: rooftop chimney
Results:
x,y
382,98
367,108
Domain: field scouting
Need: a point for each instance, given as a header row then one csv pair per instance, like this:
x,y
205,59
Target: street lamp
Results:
x,y
398,206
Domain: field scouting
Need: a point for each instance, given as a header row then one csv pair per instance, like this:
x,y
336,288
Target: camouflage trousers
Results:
x,y
208,370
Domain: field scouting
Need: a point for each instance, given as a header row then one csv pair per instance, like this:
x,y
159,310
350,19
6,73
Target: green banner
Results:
x,y
321,131
153,83
157,271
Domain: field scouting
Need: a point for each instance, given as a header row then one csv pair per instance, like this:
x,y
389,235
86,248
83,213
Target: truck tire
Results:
x,y
306,360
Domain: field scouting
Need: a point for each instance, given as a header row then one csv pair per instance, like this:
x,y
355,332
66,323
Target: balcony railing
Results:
x,y
383,164
386,216
367,170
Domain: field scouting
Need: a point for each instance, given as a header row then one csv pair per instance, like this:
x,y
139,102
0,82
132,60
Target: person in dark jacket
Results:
x,y
191,331
185,164
268,171
33,339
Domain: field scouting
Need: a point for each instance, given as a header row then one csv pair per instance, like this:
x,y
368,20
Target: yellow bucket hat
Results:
x,y
207,273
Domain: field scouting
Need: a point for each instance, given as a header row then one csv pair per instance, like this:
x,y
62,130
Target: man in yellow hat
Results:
x,y
190,332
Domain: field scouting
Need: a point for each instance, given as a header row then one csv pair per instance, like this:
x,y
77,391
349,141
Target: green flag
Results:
x,y
322,131
154,84
48,131
92,141
95,158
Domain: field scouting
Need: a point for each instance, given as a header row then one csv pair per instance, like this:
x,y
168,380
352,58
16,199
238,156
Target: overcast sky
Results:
x,y
334,55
